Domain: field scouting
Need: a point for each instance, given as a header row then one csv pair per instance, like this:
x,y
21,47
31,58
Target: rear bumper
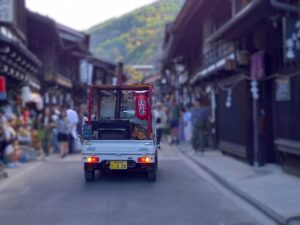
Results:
x,y
132,166
119,157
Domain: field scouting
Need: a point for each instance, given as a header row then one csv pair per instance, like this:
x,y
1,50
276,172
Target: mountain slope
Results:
x,y
135,38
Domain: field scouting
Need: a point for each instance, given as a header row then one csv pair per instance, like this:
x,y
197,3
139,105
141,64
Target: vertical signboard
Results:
x,y
83,71
283,90
7,11
90,73
86,72
258,65
3,94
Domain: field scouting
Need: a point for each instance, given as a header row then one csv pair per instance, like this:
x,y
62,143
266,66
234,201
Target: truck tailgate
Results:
x,y
128,147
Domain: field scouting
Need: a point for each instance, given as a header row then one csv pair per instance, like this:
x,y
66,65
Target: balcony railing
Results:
x,y
218,52
216,59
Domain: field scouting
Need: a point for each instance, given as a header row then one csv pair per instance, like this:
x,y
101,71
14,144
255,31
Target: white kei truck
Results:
x,y
119,134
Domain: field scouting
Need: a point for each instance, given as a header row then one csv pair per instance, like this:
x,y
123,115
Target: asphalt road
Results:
x,y
55,193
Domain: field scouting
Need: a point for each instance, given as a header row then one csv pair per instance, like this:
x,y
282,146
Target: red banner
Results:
x,y
258,65
2,84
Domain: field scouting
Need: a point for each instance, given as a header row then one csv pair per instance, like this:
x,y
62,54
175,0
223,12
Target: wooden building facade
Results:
x,y
66,61
18,64
247,63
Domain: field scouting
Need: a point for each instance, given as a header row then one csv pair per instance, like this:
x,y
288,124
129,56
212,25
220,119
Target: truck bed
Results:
x,y
118,148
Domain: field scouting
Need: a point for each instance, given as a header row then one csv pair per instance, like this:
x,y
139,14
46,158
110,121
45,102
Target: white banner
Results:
x,y
90,73
83,71
86,72
7,11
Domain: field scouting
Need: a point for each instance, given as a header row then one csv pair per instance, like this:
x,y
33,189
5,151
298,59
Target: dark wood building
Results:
x,y
182,45
68,66
18,64
104,72
45,42
76,49
247,61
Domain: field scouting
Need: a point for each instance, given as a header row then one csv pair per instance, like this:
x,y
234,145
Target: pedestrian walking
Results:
x,y
73,120
45,126
199,120
174,115
55,115
161,120
188,128
62,125
82,118
181,125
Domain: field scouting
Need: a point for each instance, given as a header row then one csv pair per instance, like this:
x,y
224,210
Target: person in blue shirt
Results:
x,y
199,120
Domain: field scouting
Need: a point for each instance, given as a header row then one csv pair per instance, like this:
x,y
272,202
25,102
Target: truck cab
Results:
x,y
119,134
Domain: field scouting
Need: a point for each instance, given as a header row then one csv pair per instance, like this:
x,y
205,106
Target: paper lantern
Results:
x,y
141,107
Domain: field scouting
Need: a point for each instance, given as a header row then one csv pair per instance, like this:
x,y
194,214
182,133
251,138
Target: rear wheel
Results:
x,y
151,175
89,175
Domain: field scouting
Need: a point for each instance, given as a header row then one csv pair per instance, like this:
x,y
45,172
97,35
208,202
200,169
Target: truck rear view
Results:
x,y
119,134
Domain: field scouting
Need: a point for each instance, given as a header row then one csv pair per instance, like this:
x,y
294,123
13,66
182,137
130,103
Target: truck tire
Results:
x,y
151,175
89,175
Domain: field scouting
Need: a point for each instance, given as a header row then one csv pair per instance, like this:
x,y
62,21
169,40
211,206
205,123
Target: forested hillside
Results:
x,y
135,38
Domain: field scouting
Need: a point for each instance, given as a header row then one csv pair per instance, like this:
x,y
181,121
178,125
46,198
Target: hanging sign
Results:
x,y
283,89
258,65
86,72
3,93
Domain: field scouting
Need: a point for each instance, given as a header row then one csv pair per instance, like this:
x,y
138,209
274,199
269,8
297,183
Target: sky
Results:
x,y
83,14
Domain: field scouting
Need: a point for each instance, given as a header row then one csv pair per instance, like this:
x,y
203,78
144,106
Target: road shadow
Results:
x,y
118,177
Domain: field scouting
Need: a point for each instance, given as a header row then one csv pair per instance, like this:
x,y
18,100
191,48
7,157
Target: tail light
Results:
x,y
145,159
92,159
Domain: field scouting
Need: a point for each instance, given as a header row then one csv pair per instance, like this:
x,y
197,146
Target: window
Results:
x,y
107,104
114,117
127,109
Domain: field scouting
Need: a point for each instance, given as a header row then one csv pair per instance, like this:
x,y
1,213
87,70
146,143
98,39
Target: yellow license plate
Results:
x,y
118,165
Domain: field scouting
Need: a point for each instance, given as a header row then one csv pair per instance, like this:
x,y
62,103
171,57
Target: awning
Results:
x,y
22,50
213,68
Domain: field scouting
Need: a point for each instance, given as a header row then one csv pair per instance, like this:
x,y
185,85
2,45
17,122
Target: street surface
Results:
x,y
55,193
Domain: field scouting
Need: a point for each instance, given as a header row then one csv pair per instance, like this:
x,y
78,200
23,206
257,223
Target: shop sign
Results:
x,y
7,11
3,93
283,89
291,39
258,65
